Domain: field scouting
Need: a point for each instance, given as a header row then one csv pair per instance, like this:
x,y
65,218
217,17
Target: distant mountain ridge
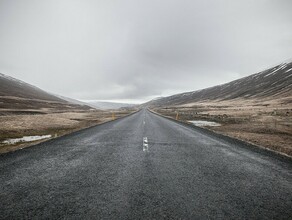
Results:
x,y
109,105
74,101
271,83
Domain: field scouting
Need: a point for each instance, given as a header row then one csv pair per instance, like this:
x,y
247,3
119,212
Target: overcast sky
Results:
x,y
135,50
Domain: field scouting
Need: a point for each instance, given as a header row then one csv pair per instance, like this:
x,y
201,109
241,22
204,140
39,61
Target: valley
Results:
x,y
256,109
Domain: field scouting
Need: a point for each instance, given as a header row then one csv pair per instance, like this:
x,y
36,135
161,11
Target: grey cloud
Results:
x,y
140,49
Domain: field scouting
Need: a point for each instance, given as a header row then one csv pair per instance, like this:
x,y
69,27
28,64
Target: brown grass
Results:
x,y
30,123
267,123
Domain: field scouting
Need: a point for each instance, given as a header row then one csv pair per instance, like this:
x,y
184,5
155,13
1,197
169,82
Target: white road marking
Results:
x,y
145,144
144,122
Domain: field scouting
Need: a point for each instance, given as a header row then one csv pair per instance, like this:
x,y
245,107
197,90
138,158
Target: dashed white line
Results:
x,y
145,144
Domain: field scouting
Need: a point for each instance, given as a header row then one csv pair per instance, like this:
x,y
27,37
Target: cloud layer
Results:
x,y
138,50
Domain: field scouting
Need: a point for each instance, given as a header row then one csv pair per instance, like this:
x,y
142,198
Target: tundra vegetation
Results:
x,y
267,123
17,124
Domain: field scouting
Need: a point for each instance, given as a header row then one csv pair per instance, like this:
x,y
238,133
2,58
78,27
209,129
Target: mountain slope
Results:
x,y
17,88
74,101
16,94
269,84
109,105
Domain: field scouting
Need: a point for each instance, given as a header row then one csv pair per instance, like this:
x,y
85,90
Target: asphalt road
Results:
x,y
182,173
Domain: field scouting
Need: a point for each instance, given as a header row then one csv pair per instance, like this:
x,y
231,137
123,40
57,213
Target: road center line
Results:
x,y
145,144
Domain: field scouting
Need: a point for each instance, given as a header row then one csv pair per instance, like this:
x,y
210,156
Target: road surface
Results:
x,y
144,166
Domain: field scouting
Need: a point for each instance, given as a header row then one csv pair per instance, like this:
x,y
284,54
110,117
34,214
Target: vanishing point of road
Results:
x,y
144,166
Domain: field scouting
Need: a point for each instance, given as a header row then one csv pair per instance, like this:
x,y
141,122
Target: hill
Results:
x,y
256,108
74,101
17,95
29,115
109,105
272,83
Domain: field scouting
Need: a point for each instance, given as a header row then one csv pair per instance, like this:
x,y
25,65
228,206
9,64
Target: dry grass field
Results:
x,y
20,123
266,123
